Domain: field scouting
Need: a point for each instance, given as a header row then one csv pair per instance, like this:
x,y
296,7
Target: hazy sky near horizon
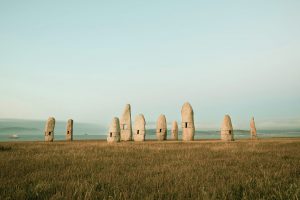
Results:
x,y
86,59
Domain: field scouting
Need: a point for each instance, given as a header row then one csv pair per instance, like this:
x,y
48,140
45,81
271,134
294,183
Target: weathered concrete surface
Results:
x,y
125,124
114,131
49,129
227,129
69,134
174,132
139,132
161,128
187,124
253,131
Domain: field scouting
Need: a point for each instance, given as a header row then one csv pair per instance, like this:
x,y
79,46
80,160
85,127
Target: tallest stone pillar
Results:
x,y
125,124
187,124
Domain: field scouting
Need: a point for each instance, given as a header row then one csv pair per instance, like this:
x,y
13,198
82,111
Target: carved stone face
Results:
x,y
69,135
139,128
49,129
187,124
227,129
161,128
126,127
114,131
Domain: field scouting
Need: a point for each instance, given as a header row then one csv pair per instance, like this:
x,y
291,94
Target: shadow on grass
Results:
x,y
5,148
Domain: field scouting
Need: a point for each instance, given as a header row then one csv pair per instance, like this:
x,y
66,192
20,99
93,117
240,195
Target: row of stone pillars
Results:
x,y
121,130
49,130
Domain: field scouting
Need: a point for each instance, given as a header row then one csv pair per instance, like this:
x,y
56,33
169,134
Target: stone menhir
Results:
x,y
125,124
253,129
69,134
187,124
49,129
139,128
227,129
114,131
174,132
161,128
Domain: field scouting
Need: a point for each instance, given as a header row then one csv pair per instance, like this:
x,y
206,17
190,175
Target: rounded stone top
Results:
x,y
126,114
187,112
51,119
161,122
227,125
115,125
174,125
70,123
140,122
252,122
127,107
50,123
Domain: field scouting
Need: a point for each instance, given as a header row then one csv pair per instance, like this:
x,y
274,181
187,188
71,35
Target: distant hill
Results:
x,y
19,129
19,126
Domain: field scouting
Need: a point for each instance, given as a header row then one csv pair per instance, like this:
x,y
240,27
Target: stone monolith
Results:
x,y
227,129
188,127
161,128
49,129
139,128
69,134
174,132
253,129
114,131
125,124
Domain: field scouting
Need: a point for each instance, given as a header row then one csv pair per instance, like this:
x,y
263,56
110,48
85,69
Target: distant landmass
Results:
x,y
36,127
33,130
18,129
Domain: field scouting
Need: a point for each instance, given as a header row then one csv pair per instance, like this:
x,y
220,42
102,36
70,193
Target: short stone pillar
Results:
x,y
161,128
227,129
187,124
139,128
114,131
125,124
69,133
253,131
49,129
174,132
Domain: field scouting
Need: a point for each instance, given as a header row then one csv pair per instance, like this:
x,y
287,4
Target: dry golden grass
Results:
x,y
263,169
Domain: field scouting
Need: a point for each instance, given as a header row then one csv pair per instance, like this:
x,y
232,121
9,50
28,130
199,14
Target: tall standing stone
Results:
x,y
227,129
114,131
139,128
188,127
69,134
174,132
161,128
253,129
125,124
49,129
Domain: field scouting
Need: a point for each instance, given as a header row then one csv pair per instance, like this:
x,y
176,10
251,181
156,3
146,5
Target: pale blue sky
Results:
x,y
87,59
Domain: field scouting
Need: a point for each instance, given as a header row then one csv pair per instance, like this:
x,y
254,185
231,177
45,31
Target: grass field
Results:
x,y
244,169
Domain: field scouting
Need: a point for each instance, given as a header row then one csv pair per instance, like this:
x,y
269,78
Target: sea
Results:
x,y
33,130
